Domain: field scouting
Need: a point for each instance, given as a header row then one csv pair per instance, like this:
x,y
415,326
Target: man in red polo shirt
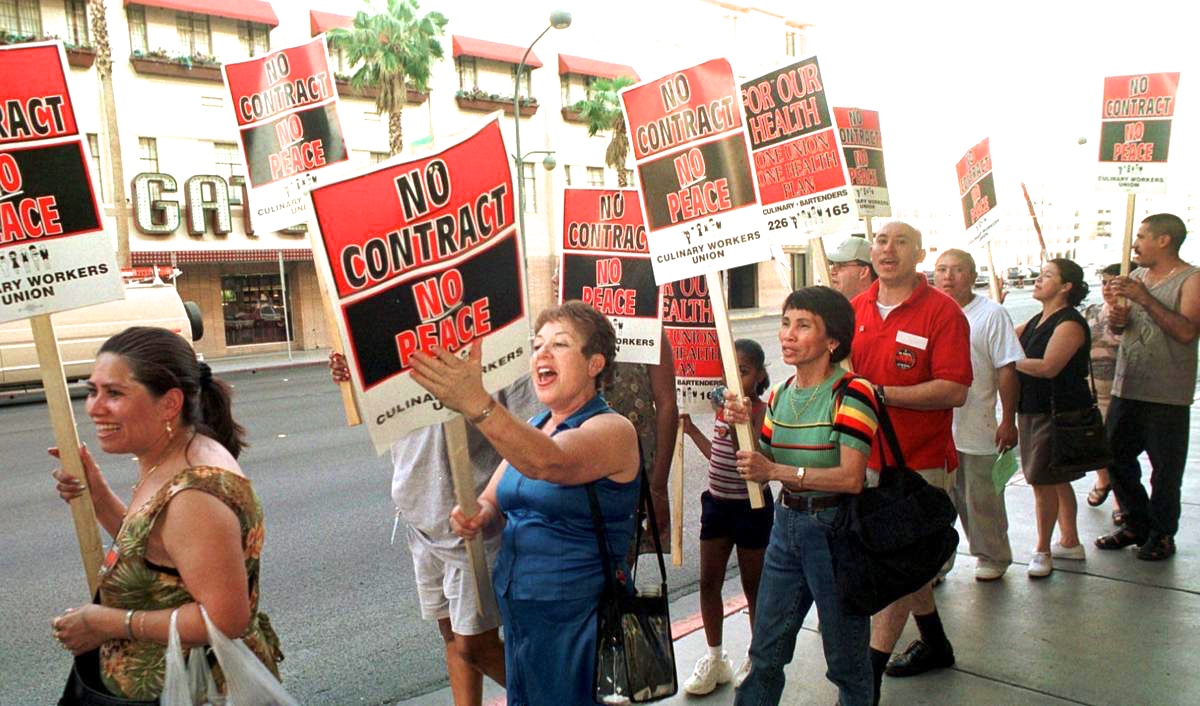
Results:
x,y
914,343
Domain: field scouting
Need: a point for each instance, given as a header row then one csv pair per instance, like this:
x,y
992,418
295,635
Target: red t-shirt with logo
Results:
x,y
926,338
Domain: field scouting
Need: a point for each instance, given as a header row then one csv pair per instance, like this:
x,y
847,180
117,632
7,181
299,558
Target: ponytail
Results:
x,y
215,418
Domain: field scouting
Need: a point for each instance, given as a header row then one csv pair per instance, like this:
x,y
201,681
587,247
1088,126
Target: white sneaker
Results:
x,y
709,672
1040,565
742,672
987,572
1075,553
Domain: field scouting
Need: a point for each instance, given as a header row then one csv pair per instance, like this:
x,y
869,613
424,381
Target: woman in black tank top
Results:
x,y
1053,375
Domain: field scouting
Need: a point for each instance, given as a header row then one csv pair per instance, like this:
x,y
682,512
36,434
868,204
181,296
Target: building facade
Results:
x,y
184,180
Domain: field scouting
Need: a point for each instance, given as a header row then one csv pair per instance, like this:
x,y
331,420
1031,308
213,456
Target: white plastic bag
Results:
x,y
248,682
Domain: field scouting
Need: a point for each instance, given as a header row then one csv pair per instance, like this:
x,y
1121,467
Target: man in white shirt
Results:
x,y
978,439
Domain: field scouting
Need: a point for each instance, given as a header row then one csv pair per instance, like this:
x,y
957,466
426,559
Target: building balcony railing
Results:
x,y
481,102
80,56
160,63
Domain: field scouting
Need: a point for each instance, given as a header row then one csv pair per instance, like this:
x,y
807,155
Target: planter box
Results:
x,y
347,90
81,57
173,69
487,105
570,115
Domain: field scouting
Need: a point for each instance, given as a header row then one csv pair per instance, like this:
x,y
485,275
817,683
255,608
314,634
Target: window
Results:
x,y
529,182
77,24
337,59
254,309
148,154
576,88
94,148
136,15
377,157
567,173
789,43
21,17
595,176
255,38
526,81
195,39
227,160
468,73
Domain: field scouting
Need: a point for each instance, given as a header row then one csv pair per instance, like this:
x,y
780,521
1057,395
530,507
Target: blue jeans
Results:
x,y
1161,430
549,651
798,571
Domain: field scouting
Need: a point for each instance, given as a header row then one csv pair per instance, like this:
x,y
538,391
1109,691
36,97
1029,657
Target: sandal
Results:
x,y
1158,548
1098,495
1120,539
1118,517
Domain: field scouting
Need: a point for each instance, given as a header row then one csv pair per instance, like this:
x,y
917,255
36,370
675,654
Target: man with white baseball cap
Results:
x,y
850,266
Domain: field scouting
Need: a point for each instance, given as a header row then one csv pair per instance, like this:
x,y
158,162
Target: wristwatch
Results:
x,y
879,396
487,412
800,472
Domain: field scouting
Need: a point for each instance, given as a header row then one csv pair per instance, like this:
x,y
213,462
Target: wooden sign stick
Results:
x,y
677,506
1037,227
62,421
463,479
870,232
994,279
349,402
745,437
1127,245
816,246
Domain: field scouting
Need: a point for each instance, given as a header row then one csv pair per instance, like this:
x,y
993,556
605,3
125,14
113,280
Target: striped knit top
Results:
x,y
723,478
806,426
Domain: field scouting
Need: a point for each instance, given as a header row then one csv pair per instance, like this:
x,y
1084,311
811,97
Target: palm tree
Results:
x,y
108,112
395,50
602,111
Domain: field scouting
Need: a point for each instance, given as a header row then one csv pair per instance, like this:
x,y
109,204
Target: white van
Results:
x,y
81,332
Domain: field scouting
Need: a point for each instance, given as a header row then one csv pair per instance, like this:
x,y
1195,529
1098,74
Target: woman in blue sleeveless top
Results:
x,y
548,575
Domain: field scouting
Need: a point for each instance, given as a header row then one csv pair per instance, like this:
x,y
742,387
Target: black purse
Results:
x,y
1078,443
635,656
890,540
84,687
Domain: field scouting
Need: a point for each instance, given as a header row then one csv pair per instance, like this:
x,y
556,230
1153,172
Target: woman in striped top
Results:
x,y
816,439
726,521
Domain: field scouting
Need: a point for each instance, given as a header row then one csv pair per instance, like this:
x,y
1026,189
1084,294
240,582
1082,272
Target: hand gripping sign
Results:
x,y
606,263
977,192
698,190
285,104
1135,131
798,159
54,253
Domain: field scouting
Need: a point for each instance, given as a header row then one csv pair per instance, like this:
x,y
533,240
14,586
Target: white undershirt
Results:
x,y
885,309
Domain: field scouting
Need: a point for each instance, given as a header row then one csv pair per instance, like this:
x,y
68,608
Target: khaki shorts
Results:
x,y
938,478
446,586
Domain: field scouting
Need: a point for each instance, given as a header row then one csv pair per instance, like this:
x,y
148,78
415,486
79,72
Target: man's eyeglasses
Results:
x,y
834,266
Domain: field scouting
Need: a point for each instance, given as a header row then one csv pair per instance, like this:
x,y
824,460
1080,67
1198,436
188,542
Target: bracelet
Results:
x,y
487,412
879,396
142,624
129,622
800,472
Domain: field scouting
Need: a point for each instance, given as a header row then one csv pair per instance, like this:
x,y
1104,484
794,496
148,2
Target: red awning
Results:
x,y
591,67
495,51
320,22
249,10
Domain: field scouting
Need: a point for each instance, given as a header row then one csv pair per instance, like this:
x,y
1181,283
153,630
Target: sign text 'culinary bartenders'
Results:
x,y
862,143
977,192
419,255
694,174
54,254
688,323
1135,132
285,104
606,263
798,159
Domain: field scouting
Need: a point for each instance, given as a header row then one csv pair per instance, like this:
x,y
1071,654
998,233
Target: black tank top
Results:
x,y
1070,386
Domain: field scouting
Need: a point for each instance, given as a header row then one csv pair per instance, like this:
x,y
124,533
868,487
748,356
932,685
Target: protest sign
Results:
x,y
862,144
694,174
285,104
54,253
424,253
688,322
977,192
1135,132
798,161
606,263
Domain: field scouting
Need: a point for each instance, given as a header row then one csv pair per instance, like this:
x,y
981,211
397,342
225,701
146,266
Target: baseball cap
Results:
x,y
851,249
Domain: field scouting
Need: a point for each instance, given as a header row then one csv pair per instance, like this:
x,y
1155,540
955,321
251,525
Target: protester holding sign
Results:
x,y
549,575
173,548
816,443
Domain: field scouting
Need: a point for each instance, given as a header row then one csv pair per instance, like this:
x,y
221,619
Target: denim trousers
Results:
x,y
797,572
1161,430
549,651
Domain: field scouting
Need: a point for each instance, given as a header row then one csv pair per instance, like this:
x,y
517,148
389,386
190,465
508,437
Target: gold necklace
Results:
x,y
808,403
162,459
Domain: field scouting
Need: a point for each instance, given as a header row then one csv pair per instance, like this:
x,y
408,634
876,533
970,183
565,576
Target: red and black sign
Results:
x,y
786,104
296,143
34,102
45,193
688,320
615,286
693,104
976,186
703,181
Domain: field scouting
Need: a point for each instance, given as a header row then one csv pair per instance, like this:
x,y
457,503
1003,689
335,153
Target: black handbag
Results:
x,y
84,687
890,540
1078,443
635,655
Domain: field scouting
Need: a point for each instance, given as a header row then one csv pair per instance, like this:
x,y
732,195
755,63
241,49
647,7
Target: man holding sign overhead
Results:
x,y
913,343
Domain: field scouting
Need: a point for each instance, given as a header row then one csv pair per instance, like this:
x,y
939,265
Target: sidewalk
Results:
x,y
1108,630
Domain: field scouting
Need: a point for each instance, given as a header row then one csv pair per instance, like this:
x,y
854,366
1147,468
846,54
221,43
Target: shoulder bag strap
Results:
x,y
601,537
884,431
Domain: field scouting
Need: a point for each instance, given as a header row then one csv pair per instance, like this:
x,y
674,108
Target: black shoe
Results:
x,y
1157,548
920,658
